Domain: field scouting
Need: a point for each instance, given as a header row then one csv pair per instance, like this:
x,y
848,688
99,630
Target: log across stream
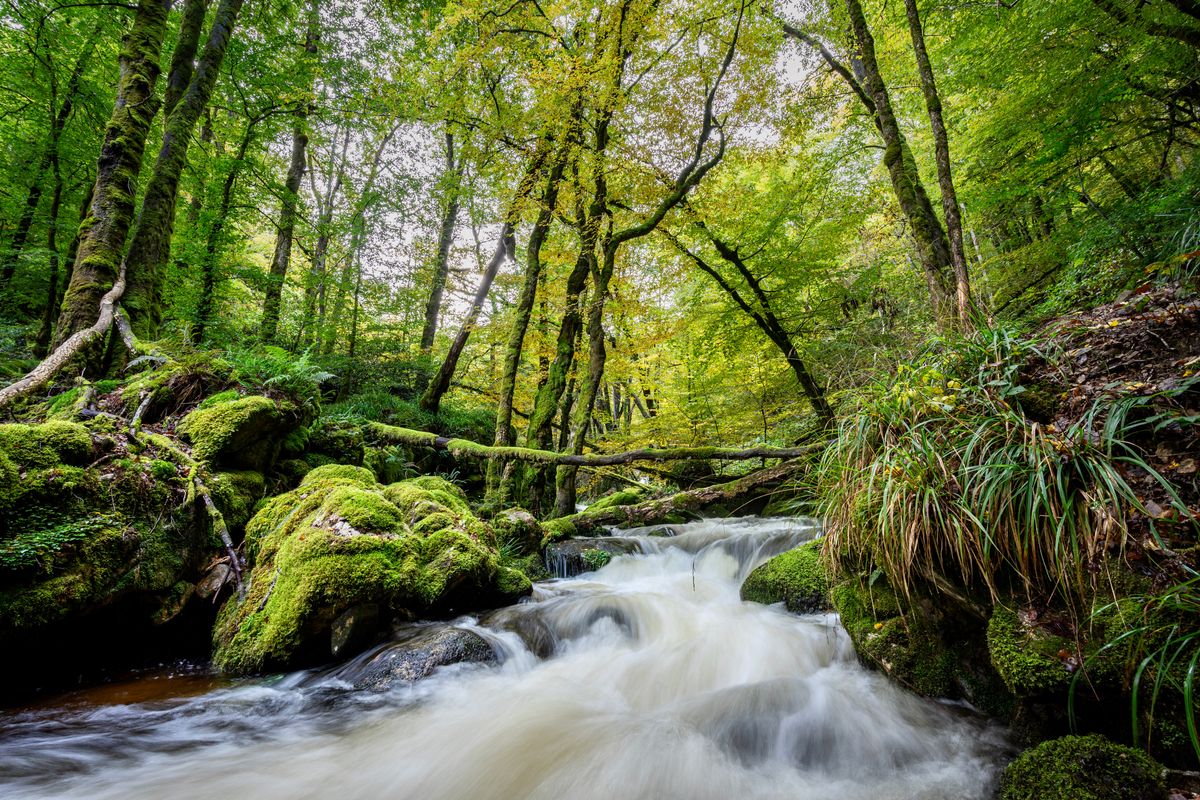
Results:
x,y
647,679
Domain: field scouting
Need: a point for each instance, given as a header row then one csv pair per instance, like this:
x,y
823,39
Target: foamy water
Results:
x,y
659,683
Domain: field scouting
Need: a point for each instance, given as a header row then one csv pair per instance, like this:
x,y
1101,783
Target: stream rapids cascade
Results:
x,y
648,678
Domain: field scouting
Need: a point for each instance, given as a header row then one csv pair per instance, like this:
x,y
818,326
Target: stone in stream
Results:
x,y
572,557
796,578
419,651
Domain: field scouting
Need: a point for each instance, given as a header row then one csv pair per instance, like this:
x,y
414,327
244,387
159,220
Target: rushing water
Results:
x,y
656,682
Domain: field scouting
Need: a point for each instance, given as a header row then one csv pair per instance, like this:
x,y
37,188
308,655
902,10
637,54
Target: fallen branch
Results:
x,y
468,449
689,502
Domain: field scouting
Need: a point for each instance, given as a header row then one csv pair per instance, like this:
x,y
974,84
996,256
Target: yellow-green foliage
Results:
x,y
625,497
796,578
340,540
1082,768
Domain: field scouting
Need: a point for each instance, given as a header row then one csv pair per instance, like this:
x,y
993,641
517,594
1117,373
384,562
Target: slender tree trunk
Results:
x,y
150,246
102,234
441,264
282,257
505,249
206,305
73,248
287,230
50,156
42,343
941,144
183,59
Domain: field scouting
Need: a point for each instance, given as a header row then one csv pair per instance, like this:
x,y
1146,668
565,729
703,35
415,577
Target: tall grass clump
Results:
x,y
939,478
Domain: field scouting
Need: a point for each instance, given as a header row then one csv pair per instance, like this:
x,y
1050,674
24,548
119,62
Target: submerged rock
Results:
x,y
796,578
414,655
1082,768
341,541
573,557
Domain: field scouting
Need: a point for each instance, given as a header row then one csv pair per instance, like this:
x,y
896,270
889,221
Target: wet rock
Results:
x,y
571,557
796,578
415,655
355,627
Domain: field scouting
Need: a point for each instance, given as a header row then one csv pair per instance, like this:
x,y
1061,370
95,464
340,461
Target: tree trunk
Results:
x,y
150,246
441,264
524,310
941,144
49,157
314,288
42,342
932,245
102,234
281,259
73,248
505,248
183,59
287,230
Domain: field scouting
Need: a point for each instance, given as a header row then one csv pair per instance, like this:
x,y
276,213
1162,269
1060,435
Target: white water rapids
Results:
x,y
661,684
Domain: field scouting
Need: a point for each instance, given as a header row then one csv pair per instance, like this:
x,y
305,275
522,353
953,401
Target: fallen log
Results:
x,y
665,508
464,448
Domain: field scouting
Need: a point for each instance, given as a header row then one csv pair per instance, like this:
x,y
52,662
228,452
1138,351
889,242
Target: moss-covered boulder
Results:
x,y
246,433
1031,660
796,578
341,541
1082,768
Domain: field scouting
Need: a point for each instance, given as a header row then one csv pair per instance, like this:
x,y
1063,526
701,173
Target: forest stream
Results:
x,y
654,680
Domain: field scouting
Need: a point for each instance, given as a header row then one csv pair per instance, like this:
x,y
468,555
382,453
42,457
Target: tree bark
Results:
x,y
286,231
102,234
58,121
941,146
468,449
150,245
431,400
42,342
441,264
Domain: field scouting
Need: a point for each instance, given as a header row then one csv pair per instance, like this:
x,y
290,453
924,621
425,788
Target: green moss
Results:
x,y
907,648
345,472
1027,658
163,470
1082,768
625,497
225,428
796,578
235,492
340,540
217,399
46,445
596,559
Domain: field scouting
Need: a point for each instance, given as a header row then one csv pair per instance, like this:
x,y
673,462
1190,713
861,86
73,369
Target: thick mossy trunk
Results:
x,y
150,246
102,234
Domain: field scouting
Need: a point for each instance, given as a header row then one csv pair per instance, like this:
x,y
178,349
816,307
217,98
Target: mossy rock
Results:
x,y
624,497
1027,657
1082,768
796,578
242,434
335,442
236,493
46,445
339,541
907,647
517,528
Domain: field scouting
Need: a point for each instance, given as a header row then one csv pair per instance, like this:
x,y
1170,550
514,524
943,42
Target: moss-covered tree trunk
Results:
x,y
431,400
452,180
933,248
150,246
941,145
102,234
522,314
